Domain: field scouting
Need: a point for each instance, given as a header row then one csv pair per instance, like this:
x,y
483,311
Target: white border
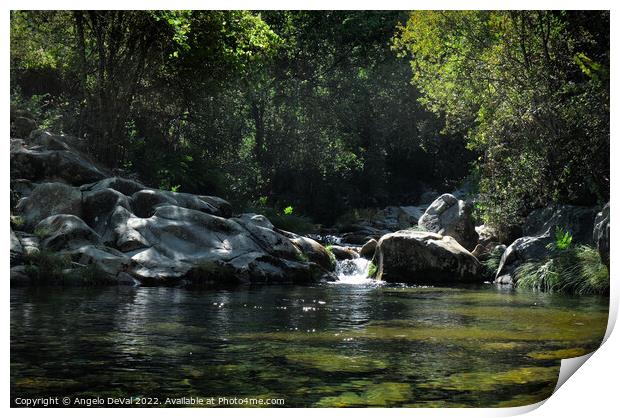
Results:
x,y
592,391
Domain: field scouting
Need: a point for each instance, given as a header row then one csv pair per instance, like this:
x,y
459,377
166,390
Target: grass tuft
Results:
x,y
577,270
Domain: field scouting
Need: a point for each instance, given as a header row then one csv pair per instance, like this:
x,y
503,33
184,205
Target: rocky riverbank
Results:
x,y
73,220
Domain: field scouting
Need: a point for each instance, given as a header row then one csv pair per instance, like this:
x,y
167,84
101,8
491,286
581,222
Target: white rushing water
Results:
x,y
354,271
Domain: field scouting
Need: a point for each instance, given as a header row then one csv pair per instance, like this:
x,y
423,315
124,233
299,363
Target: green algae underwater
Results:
x,y
329,345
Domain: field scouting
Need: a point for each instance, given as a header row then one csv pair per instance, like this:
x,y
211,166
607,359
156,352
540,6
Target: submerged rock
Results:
x,y
418,257
450,216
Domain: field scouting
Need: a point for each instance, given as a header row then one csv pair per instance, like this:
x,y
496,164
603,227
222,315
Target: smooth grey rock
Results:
x,y
39,163
260,220
601,234
208,248
49,199
125,186
419,257
578,220
60,232
450,216
108,260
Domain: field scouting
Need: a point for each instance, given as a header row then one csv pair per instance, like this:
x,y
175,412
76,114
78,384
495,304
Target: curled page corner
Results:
x,y
568,367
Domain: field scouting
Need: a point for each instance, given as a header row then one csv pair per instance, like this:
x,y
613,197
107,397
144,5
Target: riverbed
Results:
x,y
357,343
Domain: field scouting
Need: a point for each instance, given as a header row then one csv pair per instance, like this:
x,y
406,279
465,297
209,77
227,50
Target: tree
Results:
x,y
531,89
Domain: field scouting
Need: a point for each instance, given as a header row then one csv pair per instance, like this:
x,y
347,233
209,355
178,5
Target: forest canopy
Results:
x,y
322,112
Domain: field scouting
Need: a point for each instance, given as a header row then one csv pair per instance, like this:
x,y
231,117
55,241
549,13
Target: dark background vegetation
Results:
x,y
328,111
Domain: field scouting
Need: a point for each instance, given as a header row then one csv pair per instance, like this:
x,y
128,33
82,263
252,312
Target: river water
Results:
x,y
350,343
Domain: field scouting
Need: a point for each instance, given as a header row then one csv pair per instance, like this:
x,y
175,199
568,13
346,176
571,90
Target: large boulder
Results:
x,y
314,251
49,199
601,234
191,243
54,162
60,232
578,220
450,216
419,257
540,228
521,250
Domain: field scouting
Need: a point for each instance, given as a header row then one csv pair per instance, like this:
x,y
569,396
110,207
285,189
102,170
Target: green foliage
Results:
x,y
563,239
17,221
530,90
330,252
491,262
576,270
288,210
372,269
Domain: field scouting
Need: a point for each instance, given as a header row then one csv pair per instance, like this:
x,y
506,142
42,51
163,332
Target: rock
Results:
x,y
124,279
479,251
107,260
207,248
260,220
30,243
419,257
19,276
452,217
578,220
314,251
99,206
22,187
60,232
39,163
522,250
368,249
487,236
119,234
22,126
49,199
540,227
343,253
601,234
224,208
16,251
125,186
144,202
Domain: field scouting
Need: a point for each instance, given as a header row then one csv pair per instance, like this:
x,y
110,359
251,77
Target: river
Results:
x,y
354,342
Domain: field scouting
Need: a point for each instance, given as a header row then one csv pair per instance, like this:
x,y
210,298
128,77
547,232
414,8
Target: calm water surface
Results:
x,y
325,345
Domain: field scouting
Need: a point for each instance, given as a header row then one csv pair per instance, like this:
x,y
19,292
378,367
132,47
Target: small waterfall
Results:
x,y
353,271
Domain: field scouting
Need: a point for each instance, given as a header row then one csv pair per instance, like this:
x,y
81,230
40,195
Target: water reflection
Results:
x,y
324,345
